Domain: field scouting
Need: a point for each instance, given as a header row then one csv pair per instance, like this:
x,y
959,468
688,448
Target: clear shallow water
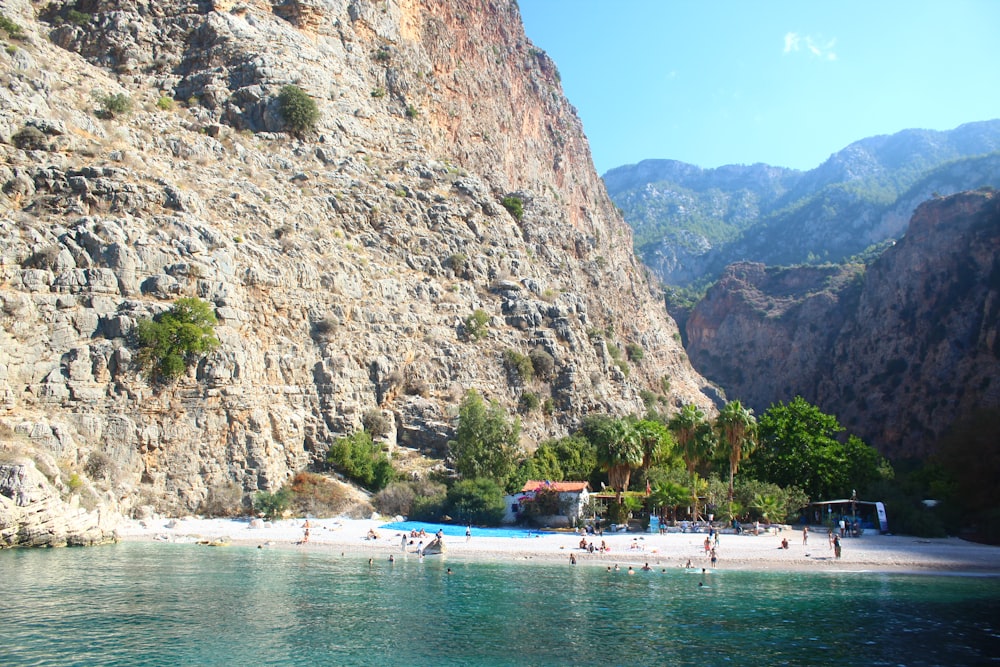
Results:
x,y
163,604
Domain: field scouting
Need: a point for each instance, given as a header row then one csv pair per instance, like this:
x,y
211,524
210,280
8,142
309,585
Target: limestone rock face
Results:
x,y
898,353
341,264
33,513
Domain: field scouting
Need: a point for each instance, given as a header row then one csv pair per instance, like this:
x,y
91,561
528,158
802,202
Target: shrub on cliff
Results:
x,y
13,30
475,324
514,206
112,106
174,339
298,110
518,365
361,461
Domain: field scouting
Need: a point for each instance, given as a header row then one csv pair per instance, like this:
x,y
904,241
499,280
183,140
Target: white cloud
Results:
x,y
791,42
815,46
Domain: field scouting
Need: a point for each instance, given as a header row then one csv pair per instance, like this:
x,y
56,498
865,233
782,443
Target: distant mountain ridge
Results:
x,y
691,222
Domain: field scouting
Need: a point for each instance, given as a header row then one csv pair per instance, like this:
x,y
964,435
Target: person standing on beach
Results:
x,y
403,544
836,546
305,531
715,558
805,535
468,533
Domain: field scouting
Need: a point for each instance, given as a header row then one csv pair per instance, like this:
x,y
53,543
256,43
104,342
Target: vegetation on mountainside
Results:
x,y
297,109
362,461
475,324
710,218
172,341
739,468
514,206
13,30
114,105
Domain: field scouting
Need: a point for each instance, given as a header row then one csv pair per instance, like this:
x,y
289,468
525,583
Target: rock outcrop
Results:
x,y
33,512
898,352
341,264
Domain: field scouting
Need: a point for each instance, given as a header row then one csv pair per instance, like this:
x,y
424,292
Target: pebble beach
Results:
x,y
871,552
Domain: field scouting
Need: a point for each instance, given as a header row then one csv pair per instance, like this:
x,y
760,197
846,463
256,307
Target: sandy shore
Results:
x,y
746,552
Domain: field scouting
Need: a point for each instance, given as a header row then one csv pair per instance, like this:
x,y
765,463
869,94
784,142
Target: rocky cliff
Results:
x,y
898,352
341,264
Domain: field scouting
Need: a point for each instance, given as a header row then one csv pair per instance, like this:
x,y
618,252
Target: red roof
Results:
x,y
560,487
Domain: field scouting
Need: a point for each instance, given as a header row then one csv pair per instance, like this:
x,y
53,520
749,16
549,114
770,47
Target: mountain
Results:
x,y
690,222
147,157
902,351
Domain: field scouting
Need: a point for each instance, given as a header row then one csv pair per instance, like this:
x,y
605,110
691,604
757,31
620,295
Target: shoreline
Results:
x,y
672,551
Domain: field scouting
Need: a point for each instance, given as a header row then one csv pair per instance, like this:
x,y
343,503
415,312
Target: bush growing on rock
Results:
x,y
99,466
475,324
115,105
13,30
376,423
634,352
298,110
518,365
542,362
514,206
316,495
362,461
172,340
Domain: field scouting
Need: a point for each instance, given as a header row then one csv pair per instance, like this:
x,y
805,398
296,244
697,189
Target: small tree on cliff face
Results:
x,y
298,110
174,339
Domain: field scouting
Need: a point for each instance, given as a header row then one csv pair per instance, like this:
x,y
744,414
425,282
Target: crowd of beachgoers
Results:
x,y
784,547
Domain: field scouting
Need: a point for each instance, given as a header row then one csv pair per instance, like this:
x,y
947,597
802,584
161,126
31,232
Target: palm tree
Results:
x,y
654,438
695,442
737,429
618,451
667,494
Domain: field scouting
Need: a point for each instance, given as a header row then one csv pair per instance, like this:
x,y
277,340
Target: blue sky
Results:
x,y
780,82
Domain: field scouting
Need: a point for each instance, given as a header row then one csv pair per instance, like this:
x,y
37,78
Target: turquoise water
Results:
x,y
165,604
453,530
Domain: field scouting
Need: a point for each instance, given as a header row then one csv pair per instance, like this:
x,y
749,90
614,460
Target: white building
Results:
x,y
572,502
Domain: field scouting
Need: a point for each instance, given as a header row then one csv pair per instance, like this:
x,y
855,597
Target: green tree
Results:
x,y
272,505
799,446
298,110
737,430
118,104
518,365
486,442
694,437
668,495
362,461
654,439
475,324
570,458
479,501
618,450
172,340
514,206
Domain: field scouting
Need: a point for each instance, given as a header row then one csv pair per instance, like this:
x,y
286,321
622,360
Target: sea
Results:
x,y
155,604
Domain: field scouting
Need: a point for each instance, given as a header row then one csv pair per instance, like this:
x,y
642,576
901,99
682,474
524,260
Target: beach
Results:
x,y
763,552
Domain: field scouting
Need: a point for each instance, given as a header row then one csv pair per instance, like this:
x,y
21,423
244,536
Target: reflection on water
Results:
x,y
160,604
